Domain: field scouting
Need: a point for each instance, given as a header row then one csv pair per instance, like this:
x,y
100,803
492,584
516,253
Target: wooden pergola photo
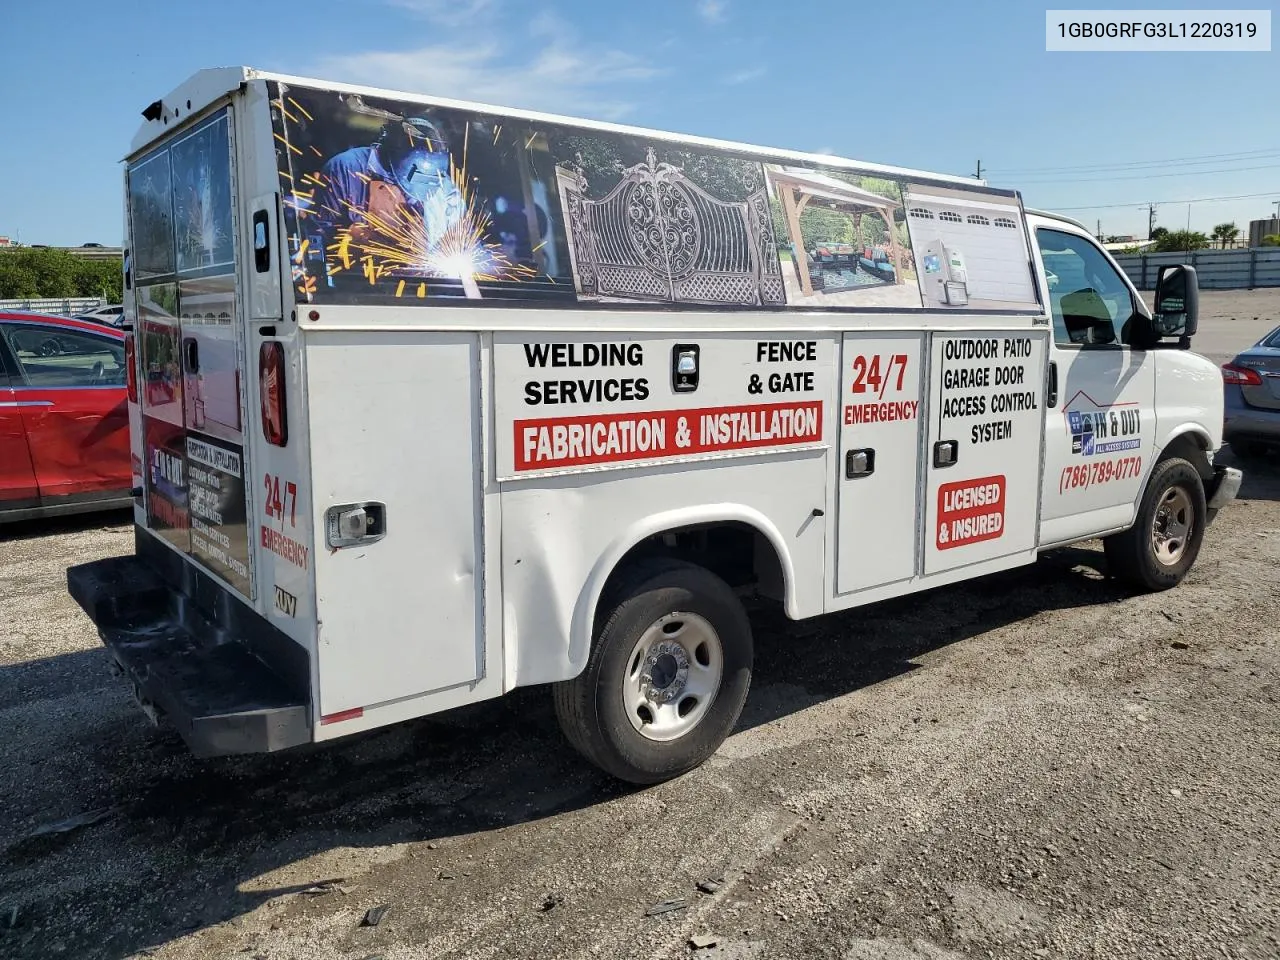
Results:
x,y
796,189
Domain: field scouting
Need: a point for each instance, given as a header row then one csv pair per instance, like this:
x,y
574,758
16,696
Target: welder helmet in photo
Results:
x,y
415,153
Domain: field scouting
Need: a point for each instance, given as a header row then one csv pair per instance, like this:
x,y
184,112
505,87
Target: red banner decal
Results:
x,y
622,437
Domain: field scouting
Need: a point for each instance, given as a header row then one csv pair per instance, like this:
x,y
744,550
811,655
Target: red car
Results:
x,y
64,417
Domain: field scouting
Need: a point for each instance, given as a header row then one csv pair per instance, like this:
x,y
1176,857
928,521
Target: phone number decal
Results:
x,y
1085,475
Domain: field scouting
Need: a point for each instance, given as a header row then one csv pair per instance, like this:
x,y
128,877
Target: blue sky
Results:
x,y
930,85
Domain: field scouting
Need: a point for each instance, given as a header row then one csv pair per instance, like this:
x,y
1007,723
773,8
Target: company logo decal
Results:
x,y
1102,428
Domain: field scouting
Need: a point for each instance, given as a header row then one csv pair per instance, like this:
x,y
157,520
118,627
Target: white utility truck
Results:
x,y
431,400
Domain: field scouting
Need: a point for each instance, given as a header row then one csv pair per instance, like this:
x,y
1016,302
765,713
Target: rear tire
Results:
x,y
667,675
1164,541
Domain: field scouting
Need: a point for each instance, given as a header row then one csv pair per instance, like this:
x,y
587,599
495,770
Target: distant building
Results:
x,y
1262,228
88,251
94,251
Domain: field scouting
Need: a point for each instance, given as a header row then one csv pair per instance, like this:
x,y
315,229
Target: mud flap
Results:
x,y
1222,489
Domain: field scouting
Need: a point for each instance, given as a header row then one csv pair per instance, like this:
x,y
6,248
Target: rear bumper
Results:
x,y
1222,489
1243,422
213,670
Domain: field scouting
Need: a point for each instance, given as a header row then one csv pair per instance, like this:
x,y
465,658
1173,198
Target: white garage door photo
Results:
x,y
990,242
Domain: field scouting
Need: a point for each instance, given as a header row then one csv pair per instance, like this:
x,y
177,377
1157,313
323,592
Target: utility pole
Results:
x,y
978,176
1151,219
1099,233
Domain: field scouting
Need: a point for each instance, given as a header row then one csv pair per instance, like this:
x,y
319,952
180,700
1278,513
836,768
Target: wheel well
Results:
x,y
736,552
1193,448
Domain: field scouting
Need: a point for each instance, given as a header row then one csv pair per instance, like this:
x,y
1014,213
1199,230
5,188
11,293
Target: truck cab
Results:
x,y
1127,394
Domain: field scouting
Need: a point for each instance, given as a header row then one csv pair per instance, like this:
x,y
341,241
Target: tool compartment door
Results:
x,y
882,383
986,430
394,419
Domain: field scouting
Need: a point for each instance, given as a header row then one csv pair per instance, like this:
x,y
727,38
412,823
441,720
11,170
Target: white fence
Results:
x,y
1215,269
66,306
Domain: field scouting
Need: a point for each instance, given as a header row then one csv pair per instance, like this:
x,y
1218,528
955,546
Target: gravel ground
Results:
x,y
1037,764
1231,320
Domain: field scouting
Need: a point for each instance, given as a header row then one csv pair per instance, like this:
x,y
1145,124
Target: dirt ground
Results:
x,y
1037,764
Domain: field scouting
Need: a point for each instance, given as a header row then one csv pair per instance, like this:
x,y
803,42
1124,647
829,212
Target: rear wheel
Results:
x,y
1164,541
667,676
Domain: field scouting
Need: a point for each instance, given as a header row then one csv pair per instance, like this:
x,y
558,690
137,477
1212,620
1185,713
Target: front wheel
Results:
x,y
667,676
1164,541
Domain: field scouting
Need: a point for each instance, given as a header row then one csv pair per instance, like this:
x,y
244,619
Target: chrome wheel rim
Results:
x,y
673,676
1171,529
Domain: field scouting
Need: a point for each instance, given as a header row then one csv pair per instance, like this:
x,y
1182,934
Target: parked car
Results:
x,y
112,314
64,417
1252,384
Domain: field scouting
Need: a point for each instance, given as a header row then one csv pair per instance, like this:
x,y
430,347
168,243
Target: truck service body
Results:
x,y
432,400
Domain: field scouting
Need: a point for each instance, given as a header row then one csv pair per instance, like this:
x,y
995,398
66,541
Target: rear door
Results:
x,y
73,406
17,474
183,229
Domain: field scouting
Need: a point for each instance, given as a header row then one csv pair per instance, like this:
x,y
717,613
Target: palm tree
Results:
x,y
1225,232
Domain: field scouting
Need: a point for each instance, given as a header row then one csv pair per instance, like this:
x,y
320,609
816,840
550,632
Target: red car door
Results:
x,y
18,488
74,405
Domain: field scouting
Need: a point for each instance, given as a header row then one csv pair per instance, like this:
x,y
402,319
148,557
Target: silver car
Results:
x,y
1252,384
112,315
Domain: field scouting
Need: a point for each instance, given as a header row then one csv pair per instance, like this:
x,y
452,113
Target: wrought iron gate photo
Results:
x,y
657,235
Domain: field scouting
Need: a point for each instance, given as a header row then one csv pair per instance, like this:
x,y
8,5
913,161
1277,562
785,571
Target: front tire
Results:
x,y
667,676
1164,541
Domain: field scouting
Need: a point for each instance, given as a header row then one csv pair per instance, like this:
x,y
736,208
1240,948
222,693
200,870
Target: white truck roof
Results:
x,y
207,87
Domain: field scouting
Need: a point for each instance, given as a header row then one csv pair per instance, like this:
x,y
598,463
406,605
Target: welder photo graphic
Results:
x,y
399,182
414,202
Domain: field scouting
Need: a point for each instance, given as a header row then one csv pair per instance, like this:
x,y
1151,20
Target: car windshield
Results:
x,y
1273,338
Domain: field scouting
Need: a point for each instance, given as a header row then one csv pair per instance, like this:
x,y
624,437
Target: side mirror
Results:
x,y
1177,302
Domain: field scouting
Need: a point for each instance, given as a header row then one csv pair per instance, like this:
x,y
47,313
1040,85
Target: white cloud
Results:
x,y
713,11
548,23
554,73
449,13
745,76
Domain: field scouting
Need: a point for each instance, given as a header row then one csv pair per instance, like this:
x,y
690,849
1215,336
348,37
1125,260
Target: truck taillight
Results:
x,y
1241,376
271,386
131,367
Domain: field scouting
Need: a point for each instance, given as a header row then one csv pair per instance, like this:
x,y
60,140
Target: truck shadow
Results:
x,y
69,523
1261,473
185,841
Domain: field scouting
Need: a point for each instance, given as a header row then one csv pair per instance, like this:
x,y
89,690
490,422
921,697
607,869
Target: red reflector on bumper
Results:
x,y
343,715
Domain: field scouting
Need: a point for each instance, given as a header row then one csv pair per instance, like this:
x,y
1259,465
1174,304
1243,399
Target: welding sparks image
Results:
x,y
413,202
199,232
202,199
445,238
